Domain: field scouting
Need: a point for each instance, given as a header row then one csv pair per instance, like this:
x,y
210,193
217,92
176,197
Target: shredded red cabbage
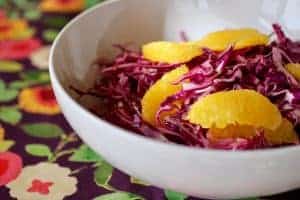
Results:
x,y
124,82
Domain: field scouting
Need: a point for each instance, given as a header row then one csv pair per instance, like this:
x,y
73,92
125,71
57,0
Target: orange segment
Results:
x,y
284,134
240,38
232,131
171,52
294,69
159,91
242,107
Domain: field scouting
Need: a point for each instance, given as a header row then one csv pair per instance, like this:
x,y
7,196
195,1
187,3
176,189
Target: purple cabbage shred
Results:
x,y
124,82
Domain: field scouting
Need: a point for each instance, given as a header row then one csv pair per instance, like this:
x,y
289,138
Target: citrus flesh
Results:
x,y
294,69
171,52
284,134
238,38
159,91
175,52
235,107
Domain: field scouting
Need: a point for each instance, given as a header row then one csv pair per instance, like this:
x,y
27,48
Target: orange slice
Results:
x,y
159,91
232,131
294,69
171,52
235,107
240,38
284,134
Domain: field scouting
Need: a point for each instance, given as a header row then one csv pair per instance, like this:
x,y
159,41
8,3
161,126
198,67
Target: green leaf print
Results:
x,y
10,115
10,66
43,130
32,14
85,154
36,77
39,150
5,145
171,195
2,85
56,21
119,196
90,3
19,84
103,174
50,35
7,95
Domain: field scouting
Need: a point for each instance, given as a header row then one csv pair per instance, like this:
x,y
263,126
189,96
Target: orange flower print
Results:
x,y
14,29
39,100
62,6
2,132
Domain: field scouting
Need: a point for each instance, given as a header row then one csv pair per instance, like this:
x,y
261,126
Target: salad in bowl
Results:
x,y
233,89
215,115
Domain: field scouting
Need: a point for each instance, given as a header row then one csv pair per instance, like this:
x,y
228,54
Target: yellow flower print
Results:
x,y
62,6
39,100
2,132
14,29
5,145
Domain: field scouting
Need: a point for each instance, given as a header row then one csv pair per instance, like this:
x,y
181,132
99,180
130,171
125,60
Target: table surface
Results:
x,y
40,156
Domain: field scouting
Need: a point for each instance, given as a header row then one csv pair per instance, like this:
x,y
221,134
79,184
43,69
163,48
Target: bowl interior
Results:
x,y
135,22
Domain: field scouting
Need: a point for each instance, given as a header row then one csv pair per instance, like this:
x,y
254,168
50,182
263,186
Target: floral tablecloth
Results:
x,y
41,158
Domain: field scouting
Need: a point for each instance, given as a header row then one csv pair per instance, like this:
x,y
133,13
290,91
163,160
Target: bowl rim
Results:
x,y
140,138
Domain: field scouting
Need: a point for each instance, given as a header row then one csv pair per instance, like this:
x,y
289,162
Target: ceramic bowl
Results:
x,y
202,173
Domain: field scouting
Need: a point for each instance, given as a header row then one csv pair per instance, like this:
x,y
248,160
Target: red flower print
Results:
x,y
2,14
10,167
46,96
40,187
64,1
18,49
4,27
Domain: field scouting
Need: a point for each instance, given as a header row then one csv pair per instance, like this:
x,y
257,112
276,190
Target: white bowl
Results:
x,y
202,173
